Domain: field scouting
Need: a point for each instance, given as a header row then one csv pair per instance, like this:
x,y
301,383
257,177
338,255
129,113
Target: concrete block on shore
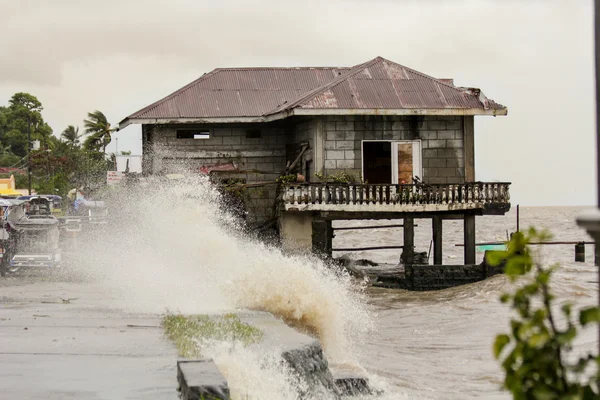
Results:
x,y
302,354
352,385
201,379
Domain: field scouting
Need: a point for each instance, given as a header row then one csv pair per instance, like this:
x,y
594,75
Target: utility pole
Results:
x,y
29,156
591,221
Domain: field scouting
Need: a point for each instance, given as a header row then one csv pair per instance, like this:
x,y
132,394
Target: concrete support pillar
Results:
x,y
322,237
295,230
437,240
469,143
469,231
408,252
319,145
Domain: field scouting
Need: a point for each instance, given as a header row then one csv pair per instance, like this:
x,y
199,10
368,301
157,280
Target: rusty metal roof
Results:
x,y
382,84
378,84
239,92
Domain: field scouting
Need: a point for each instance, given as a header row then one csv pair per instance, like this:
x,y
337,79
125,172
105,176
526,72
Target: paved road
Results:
x,y
71,340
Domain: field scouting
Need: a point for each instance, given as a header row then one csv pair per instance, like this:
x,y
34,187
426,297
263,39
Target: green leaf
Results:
x,y
567,336
539,316
499,344
538,340
543,393
543,277
514,268
495,258
531,289
588,315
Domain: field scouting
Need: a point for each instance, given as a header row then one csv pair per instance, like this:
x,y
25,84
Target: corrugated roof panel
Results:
x,y
239,92
377,71
252,92
381,84
363,93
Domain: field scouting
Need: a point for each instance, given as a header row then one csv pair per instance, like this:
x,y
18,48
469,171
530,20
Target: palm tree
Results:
x,y
99,130
71,135
59,147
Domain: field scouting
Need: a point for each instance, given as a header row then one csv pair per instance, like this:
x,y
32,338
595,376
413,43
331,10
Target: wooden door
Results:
x,y
406,161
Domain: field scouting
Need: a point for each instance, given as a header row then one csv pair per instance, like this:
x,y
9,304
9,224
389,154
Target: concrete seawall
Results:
x,y
303,355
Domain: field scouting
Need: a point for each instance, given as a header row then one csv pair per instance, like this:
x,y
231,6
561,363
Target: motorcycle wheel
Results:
x,y
12,269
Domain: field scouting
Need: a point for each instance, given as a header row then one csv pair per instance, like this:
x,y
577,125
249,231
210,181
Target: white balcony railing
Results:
x,y
389,197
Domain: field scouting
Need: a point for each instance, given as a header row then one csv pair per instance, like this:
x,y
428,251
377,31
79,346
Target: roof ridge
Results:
x,y
175,93
351,72
259,68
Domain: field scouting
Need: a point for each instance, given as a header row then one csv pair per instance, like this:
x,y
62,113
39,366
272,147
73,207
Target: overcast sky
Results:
x,y
534,56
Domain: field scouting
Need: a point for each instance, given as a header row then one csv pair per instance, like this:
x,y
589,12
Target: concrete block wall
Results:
x,y
301,130
260,202
263,158
226,144
442,141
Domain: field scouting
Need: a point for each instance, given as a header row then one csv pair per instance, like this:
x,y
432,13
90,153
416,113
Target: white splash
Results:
x,y
172,247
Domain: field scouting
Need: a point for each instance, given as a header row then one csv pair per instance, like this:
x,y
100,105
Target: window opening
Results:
x,y
191,134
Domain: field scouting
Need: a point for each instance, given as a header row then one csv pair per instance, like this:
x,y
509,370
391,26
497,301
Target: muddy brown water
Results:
x,y
426,345
438,345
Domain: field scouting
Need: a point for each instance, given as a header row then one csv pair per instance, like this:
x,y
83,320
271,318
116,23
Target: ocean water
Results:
x,y
438,345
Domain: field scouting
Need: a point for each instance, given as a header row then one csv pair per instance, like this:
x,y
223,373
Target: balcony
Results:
x,y
480,197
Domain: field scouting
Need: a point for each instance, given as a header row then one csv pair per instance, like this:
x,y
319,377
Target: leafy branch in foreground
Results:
x,y
535,352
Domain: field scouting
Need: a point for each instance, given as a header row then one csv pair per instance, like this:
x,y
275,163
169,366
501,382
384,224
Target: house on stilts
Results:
x,y
358,136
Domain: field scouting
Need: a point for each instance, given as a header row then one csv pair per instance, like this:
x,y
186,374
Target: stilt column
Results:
x,y
437,240
408,251
295,230
322,237
469,230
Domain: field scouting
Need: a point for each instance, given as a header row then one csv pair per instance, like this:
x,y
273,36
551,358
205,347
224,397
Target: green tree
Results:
x,y
21,118
61,163
7,158
3,121
58,147
536,350
5,150
26,101
71,136
99,130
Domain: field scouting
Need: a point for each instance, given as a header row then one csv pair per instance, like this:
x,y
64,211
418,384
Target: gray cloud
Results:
x,y
533,56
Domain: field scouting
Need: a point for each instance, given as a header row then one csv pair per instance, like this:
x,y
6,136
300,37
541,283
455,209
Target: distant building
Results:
x,y
8,187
